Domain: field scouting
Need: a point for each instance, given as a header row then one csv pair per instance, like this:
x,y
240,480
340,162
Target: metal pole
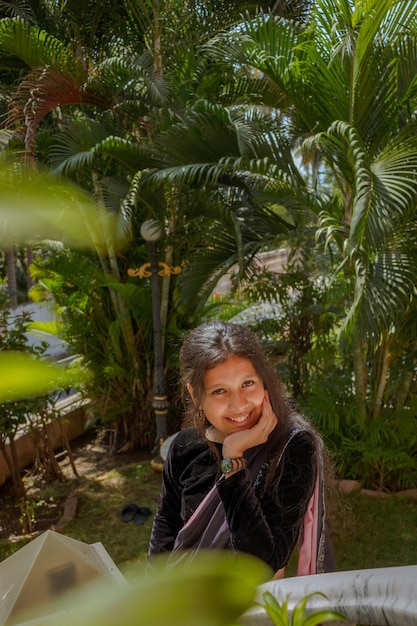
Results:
x,y
160,402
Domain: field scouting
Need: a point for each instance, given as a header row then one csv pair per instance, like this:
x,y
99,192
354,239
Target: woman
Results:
x,y
253,457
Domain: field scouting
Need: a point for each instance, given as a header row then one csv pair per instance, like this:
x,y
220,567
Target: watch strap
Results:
x,y
231,465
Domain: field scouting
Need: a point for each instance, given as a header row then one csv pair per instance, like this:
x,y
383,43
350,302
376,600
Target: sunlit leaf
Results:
x,y
278,613
321,617
281,616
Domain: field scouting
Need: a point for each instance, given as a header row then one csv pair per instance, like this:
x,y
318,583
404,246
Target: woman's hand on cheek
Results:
x,y
234,445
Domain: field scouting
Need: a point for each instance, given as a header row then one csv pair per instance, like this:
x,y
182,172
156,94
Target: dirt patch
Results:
x,y
47,500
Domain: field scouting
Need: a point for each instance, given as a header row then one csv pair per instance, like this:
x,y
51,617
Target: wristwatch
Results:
x,y
230,465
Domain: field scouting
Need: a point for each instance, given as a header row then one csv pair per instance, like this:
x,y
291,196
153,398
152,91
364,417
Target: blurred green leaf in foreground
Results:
x,y
22,376
213,590
38,206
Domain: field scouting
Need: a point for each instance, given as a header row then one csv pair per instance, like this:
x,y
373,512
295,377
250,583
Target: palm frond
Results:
x,y
129,80
382,293
399,19
130,154
19,8
386,192
41,91
34,46
208,264
143,14
71,149
263,51
113,192
207,133
232,238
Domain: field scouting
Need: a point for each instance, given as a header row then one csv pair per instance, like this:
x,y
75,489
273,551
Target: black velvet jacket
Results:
x,y
264,519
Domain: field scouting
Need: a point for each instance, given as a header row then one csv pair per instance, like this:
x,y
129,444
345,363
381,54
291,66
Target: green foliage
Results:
x,y
4,296
113,341
14,341
379,449
27,401
299,616
28,509
276,132
380,452
24,374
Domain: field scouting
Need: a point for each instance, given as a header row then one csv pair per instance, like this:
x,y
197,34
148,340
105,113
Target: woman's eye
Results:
x,y
216,392
248,383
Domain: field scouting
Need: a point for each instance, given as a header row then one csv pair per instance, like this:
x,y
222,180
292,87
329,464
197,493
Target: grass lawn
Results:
x,y
368,531
378,532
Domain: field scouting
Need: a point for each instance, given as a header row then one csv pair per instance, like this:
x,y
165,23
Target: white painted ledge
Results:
x,y
73,411
381,597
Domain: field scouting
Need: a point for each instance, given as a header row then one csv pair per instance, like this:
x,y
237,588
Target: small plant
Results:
x,y
28,513
280,616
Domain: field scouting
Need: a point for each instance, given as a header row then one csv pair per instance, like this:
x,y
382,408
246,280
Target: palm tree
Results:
x,y
92,107
56,81
344,88
169,134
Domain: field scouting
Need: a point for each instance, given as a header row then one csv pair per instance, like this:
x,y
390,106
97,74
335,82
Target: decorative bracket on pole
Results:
x,y
145,270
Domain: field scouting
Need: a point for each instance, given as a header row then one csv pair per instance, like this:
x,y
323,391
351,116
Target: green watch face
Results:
x,y
226,466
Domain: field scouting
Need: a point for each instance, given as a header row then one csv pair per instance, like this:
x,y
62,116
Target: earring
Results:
x,y
199,417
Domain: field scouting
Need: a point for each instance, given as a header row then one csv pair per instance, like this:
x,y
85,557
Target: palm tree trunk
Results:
x,y
119,304
11,276
404,389
29,258
12,462
122,310
157,64
405,382
381,374
361,376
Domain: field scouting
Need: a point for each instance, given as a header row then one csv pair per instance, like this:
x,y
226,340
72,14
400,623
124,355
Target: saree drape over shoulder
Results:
x,y
262,510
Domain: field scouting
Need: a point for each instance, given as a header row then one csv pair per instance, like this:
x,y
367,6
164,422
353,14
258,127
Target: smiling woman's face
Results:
x,y
233,396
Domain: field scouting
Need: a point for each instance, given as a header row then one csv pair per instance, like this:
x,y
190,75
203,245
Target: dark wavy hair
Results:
x,y
209,345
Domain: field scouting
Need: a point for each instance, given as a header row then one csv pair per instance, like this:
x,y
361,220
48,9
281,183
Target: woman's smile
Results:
x,y
238,420
234,394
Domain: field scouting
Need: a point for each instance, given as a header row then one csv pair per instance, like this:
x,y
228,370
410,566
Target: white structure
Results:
x,y
45,569
381,597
